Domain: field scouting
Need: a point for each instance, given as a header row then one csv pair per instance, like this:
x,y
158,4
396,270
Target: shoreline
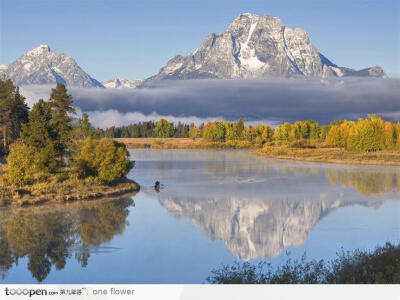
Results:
x,y
332,156
182,143
65,192
319,154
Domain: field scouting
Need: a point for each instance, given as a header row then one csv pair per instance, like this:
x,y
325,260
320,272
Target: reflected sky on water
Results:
x,y
215,206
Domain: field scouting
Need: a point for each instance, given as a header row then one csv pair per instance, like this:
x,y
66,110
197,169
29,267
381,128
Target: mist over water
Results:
x,y
269,101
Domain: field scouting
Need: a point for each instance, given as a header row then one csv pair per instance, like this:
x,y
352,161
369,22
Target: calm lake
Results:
x,y
215,207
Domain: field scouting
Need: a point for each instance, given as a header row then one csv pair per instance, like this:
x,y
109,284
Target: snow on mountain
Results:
x,y
120,83
256,46
43,66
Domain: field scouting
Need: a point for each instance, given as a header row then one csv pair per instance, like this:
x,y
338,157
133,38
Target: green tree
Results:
x,y
163,129
214,132
83,127
37,133
13,112
61,120
104,159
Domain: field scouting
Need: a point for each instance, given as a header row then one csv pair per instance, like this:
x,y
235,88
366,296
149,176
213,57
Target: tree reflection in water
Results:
x,y
258,210
367,182
50,238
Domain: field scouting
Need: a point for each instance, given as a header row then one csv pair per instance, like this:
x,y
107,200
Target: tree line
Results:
x,y
369,134
146,129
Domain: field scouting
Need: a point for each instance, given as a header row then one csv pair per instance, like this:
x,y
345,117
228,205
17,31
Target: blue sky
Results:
x,y
134,39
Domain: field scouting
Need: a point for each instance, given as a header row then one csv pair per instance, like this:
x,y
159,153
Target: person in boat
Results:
x,y
157,186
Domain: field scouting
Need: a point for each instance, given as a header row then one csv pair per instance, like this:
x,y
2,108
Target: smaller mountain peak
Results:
x,y
247,14
43,46
3,67
39,49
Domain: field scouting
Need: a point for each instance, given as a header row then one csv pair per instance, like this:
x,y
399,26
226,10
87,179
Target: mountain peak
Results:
x,y
256,46
43,66
39,50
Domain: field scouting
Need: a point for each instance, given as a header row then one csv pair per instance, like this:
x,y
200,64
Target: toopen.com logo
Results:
x,y
25,292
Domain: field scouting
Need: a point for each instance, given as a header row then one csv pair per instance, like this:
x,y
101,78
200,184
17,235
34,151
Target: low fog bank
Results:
x,y
269,101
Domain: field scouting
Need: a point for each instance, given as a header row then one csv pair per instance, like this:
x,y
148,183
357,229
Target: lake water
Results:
x,y
214,207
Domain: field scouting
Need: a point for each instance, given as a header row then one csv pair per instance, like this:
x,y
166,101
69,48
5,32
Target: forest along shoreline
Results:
x,y
369,141
47,155
321,153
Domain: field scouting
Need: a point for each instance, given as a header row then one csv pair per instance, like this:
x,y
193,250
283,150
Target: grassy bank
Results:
x,y
182,143
332,155
61,190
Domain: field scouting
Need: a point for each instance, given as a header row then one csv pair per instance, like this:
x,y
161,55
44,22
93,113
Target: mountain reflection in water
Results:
x,y
261,207
50,235
257,207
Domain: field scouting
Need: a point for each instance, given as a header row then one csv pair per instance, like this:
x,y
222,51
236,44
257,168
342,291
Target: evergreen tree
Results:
x,y
13,112
37,133
61,120
83,127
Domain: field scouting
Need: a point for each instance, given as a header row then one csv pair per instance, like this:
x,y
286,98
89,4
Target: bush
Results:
x,y
380,266
104,159
302,144
22,164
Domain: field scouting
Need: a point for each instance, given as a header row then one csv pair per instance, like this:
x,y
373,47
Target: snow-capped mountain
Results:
x,y
120,83
43,66
256,46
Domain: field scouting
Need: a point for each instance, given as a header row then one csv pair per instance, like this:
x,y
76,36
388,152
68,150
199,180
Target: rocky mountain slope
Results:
x,y
43,66
256,46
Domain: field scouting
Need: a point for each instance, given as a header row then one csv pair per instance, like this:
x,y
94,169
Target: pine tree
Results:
x,y
37,132
84,128
13,112
61,120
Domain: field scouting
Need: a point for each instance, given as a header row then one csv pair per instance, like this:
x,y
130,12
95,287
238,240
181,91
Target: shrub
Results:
x,y
380,266
302,144
22,164
104,159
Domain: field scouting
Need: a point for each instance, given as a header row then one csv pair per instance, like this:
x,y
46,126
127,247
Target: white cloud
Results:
x,y
259,100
